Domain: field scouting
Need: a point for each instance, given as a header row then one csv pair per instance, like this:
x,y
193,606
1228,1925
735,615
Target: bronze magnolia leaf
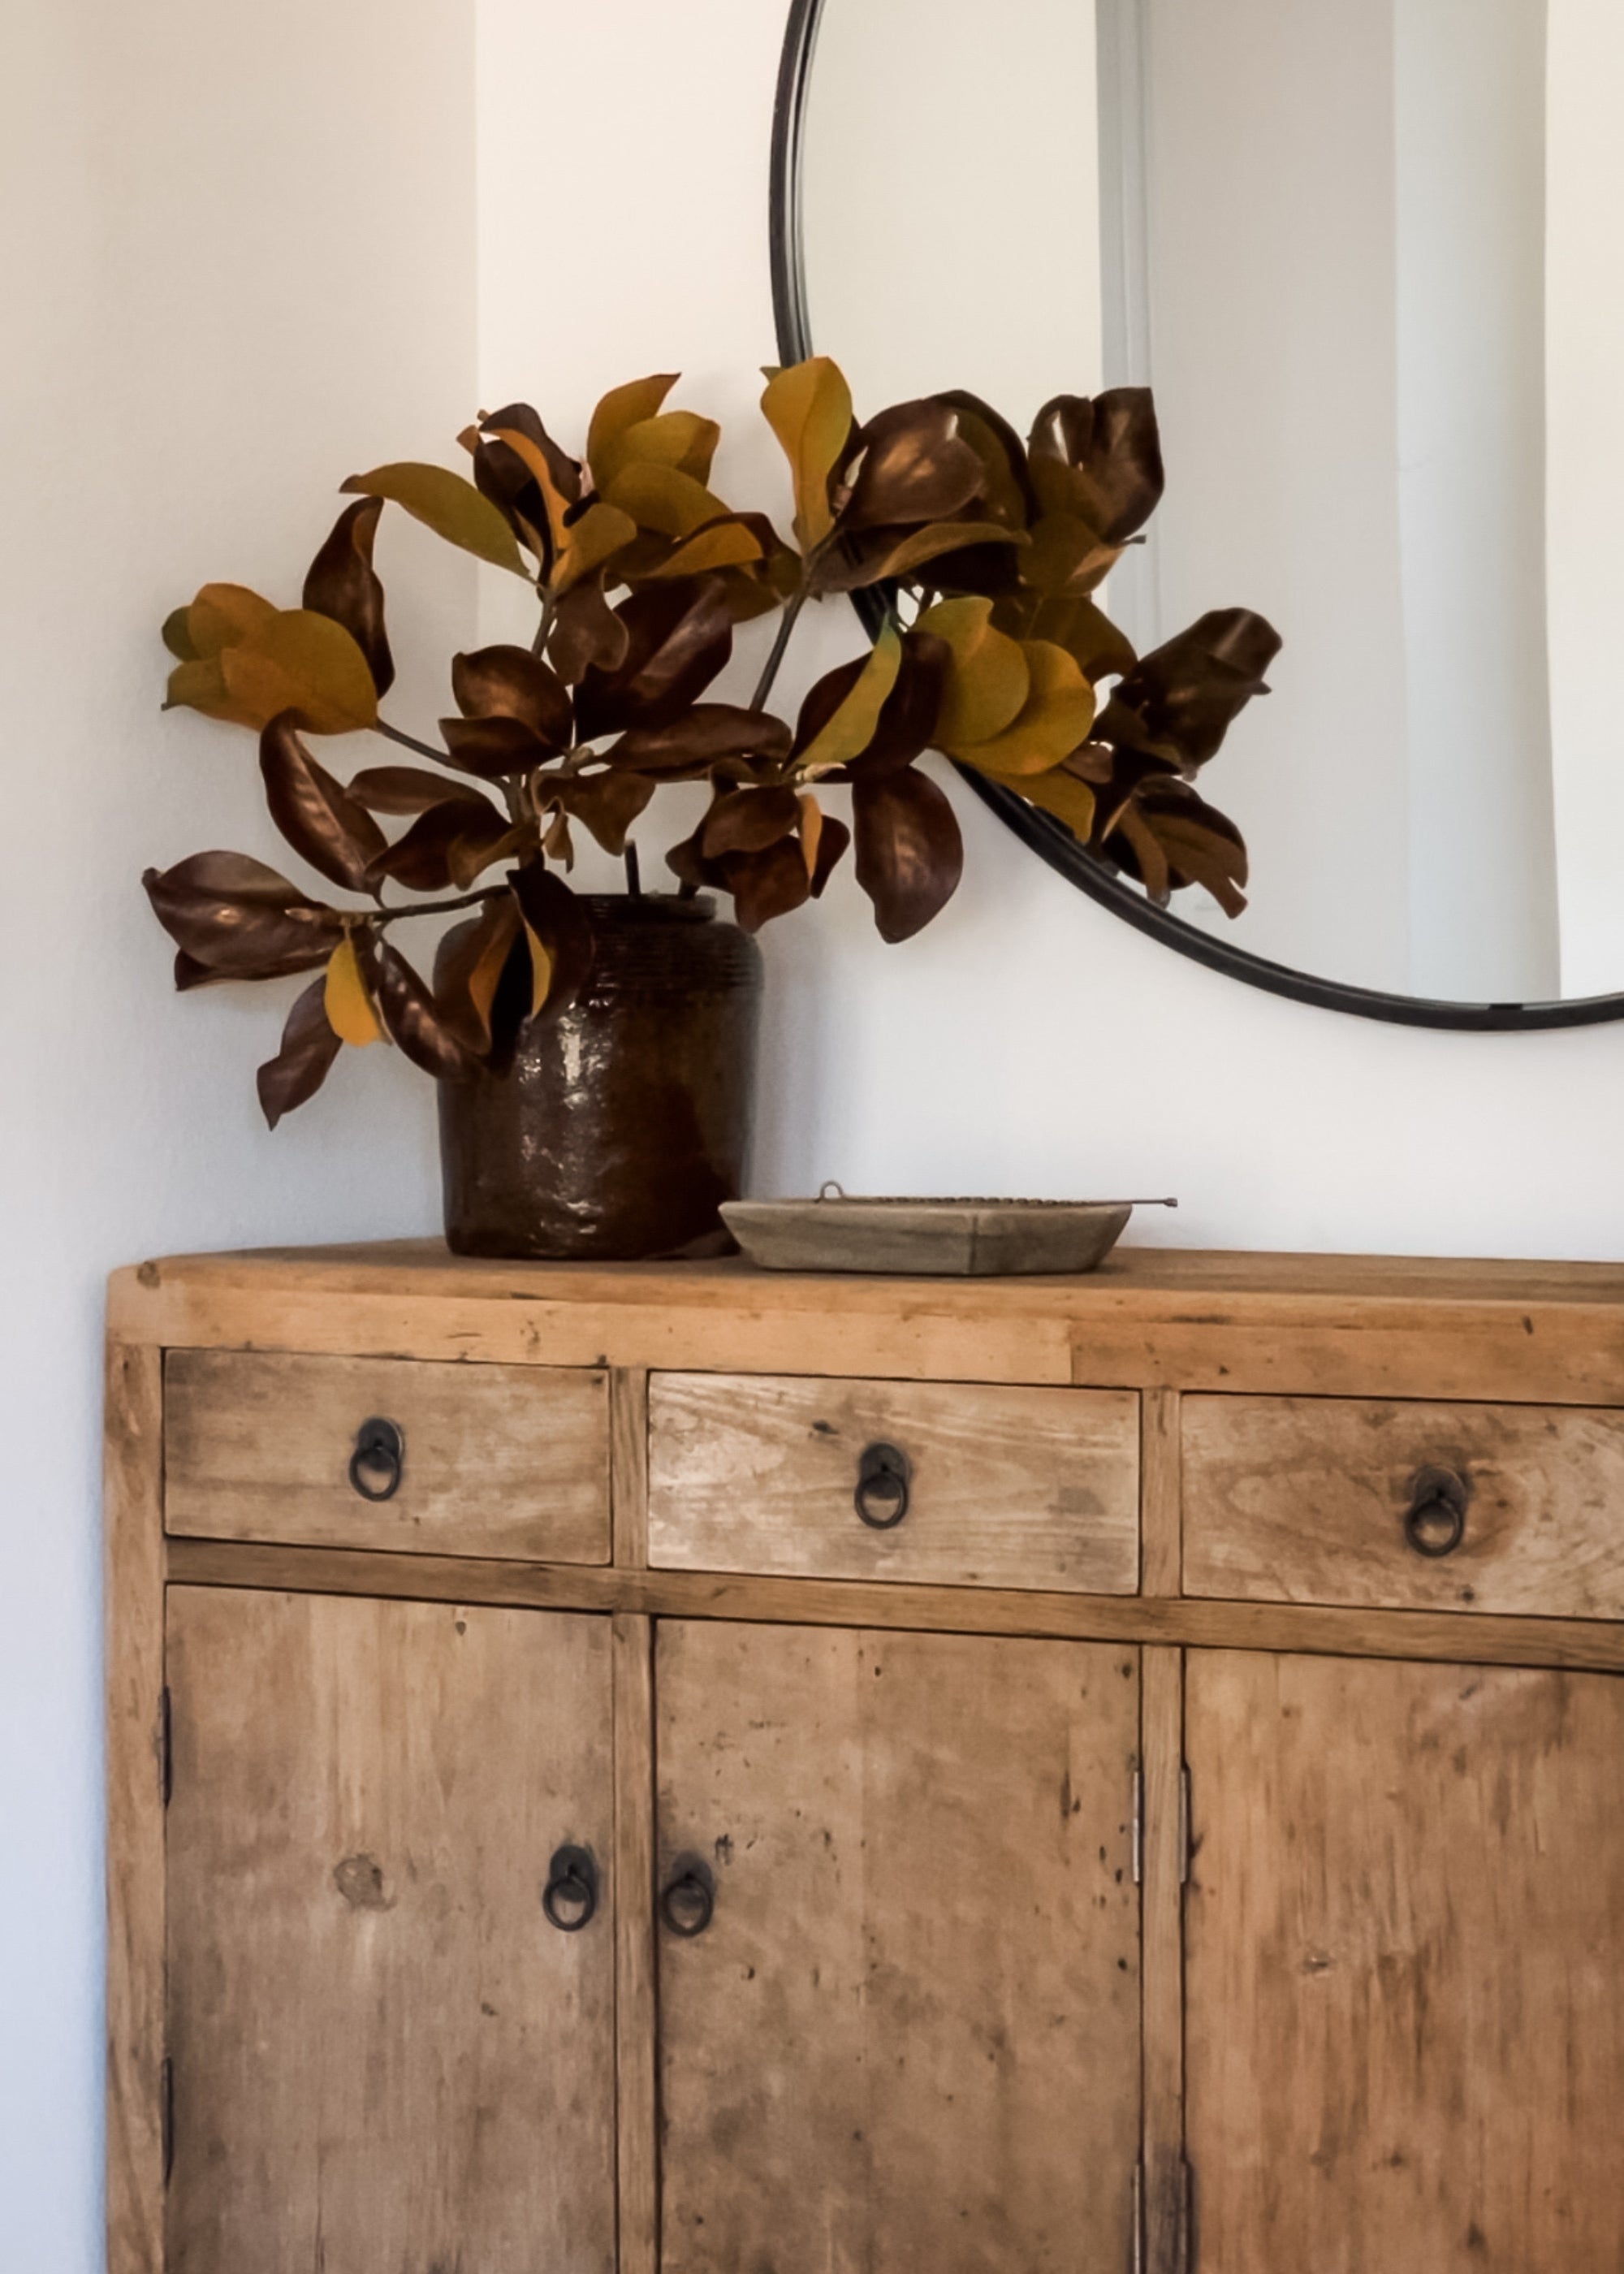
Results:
x,y
509,682
494,748
450,844
809,407
1198,844
317,815
454,509
520,419
309,1048
832,840
748,821
342,584
910,467
875,556
679,638
558,919
773,882
586,631
845,730
502,476
907,723
910,854
1111,449
1185,695
1006,492
241,919
606,804
407,789
707,735
410,1014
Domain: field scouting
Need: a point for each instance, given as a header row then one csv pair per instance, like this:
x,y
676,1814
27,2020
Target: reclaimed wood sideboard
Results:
x,y
673,1767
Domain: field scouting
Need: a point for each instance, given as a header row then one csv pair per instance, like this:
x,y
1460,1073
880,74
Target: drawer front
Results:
x,y
1508,1509
1005,1488
495,1460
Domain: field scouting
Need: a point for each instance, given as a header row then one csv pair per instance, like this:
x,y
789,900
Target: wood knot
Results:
x,y
359,1879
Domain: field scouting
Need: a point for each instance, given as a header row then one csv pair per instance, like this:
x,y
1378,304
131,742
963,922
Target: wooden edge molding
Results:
x,y
1161,1711
637,2119
135,1850
1464,1639
628,1465
1161,1494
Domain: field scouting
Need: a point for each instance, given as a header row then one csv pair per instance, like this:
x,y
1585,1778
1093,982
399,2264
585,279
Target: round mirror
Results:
x,y
1364,254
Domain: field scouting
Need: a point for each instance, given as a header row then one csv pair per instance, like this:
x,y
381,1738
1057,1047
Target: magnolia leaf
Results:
x,y
407,789
1056,717
910,468
989,676
509,682
520,418
621,409
1094,644
1061,792
223,614
1110,452
1006,490
541,972
607,804
1067,557
317,815
557,919
663,499
348,1003
908,722
679,637
1148,858
935,539
1186,695
240,918
309,1049
748,821
704,736
833,837
771,883
811,827
809,407
851,728
449,505
726,544
176,635
342,584
1199,844
580,545
680,439
410,1015
494,747
469,970
302,663
586,631
910,854
450,844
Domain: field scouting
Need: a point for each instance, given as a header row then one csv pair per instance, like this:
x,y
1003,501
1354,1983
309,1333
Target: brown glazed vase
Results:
x,y
617,1129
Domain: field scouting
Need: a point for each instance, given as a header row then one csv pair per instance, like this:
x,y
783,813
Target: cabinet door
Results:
x,y
908,2038
386,2059
1405,1943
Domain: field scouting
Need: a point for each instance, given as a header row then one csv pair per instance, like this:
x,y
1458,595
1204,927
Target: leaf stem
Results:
x,y
786,627
409,741
549,610
437,908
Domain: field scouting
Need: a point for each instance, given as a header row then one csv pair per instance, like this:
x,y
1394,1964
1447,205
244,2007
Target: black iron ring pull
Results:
x,y
570,1896
1435,1522
379,1457
687,1900
883,1473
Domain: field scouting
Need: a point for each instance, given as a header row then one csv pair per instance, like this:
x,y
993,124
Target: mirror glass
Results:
x,y
1366,253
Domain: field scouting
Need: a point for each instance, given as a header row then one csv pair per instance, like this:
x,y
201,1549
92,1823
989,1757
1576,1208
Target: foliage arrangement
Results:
x,y
992,650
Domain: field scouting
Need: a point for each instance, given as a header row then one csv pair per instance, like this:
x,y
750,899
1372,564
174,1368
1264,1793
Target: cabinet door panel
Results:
x,y
386,2060
909,2038
1405,1939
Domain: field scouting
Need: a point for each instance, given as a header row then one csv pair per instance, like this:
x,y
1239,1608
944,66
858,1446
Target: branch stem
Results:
x,y
549,610
438,907
409,741
786,625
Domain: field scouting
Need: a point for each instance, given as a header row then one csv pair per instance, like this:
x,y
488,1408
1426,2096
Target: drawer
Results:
x,y
1005,1487
495,1460
1322,1500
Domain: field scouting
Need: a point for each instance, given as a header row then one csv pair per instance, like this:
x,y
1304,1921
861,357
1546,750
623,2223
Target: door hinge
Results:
x,y
166,2116
1137,1827
166,1748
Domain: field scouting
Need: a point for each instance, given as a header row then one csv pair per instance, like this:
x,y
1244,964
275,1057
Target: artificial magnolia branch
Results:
x,y
994,650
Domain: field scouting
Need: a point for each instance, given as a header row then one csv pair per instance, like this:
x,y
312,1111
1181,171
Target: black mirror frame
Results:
x,y
1045,836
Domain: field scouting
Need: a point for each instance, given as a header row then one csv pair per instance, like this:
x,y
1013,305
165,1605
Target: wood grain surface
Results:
x,y
1304,1499
499,1460
1009,1487
1405,1942
386,2060
909,2039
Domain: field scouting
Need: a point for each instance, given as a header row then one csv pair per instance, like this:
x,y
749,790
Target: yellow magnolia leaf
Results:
x,y
345,997
726,544
1053,722
541,971
201,686
580,546
622,408
809,407
680,439
449,505
1061,794
989,678
665,499
223,614
302,662
811,833
849,732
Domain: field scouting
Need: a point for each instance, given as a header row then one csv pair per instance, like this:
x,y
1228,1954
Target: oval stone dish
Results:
x,y
931,1239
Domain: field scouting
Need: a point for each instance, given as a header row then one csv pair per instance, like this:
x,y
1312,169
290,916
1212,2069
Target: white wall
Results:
x,y
238,262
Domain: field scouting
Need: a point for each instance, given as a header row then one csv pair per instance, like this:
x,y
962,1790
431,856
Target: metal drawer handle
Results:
x,y
570,1896
1435,1521
377,1462
687,1900
883,1475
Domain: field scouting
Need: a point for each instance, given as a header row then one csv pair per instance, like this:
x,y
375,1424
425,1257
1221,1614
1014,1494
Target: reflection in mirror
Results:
x,y
1364,250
